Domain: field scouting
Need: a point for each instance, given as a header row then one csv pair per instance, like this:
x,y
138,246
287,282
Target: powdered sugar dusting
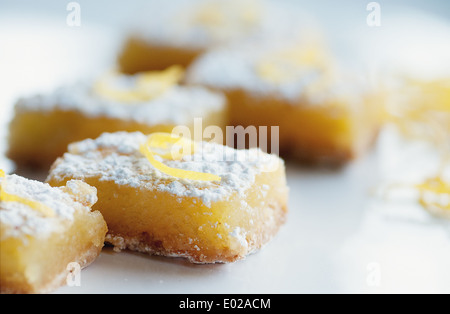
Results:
x,y
19,220
179,105
202,24
104,158
236,67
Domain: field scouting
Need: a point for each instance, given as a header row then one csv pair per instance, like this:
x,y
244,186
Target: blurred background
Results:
x,y
338,244
39,48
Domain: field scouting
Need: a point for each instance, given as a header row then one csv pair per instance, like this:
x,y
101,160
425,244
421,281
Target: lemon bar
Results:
x,y
43,231
214,205
180,31
44,125
420,110
325,114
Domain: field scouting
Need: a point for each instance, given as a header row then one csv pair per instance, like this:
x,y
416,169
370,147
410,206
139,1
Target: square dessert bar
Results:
x,y
214,205
43,230
181,31
325,114
44,125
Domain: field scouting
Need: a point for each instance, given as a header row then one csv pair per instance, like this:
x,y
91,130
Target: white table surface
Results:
x,y
341,236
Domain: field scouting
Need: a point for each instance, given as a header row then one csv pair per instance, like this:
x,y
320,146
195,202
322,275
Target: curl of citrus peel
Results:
x,y
420,110
37,206
431,190
157,143
146,85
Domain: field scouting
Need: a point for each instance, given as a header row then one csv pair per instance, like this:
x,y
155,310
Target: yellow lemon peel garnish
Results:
x,y
162,141
147,86
421,111
436,187
6,197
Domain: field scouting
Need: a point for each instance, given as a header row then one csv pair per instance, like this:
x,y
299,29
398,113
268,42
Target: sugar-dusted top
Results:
x,y
300,72
178,105
202,24
116,157
19,219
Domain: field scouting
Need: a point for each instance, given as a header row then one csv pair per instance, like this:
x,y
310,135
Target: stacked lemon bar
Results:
x,y
44,230
325,113
206,202
45,124
183,30
267,58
